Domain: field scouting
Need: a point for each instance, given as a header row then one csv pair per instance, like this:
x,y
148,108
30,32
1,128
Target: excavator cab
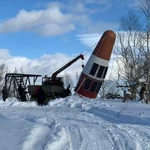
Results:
x,y
53,87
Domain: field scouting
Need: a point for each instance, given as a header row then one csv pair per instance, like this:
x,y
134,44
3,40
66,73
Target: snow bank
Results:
x,y
74,123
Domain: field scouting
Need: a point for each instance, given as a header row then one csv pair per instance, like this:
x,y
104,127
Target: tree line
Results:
x,y
133,51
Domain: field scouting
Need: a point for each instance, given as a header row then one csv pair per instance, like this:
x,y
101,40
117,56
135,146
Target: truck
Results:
x,y
53,86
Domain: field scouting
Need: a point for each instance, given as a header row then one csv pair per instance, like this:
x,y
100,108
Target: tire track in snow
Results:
x,y
138,134
114,136
72,133
63,128
75,136
128,137
120,140
81,133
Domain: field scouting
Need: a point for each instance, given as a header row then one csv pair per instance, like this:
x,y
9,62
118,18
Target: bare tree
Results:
x,y
77,77
108,86
145,9
68,81
3,71
129,50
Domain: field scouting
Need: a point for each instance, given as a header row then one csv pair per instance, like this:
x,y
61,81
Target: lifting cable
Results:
x,y
91,48
86,52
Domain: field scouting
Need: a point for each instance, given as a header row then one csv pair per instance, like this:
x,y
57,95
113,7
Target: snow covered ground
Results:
x,y
74,123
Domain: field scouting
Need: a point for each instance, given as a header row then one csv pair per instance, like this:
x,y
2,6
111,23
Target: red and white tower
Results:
x,y
95,70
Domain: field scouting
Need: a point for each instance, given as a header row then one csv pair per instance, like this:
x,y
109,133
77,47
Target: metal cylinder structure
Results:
x,y
95,70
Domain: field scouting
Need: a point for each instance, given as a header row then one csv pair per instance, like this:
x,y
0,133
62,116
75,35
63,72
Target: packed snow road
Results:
x,y
75,124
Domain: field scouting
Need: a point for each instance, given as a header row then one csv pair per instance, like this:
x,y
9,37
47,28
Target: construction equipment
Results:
x,y
66,66
53,86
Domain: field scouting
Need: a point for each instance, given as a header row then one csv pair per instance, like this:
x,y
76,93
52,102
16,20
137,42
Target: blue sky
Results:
x,y
33,29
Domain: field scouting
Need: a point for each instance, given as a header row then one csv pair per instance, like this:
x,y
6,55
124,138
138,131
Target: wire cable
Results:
x,y
87,51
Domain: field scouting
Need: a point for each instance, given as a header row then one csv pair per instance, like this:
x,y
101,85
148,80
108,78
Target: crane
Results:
x,y
66,66
53,86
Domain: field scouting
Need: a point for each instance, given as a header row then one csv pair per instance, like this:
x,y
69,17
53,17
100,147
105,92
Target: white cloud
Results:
x,y
89,40
134,3
4,54
49,22
48,64
45,65
58,18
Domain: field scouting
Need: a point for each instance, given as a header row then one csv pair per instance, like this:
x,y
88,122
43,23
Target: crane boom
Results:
x,y
67,65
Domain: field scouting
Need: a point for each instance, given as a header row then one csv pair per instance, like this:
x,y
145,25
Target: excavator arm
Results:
x,y
66,66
